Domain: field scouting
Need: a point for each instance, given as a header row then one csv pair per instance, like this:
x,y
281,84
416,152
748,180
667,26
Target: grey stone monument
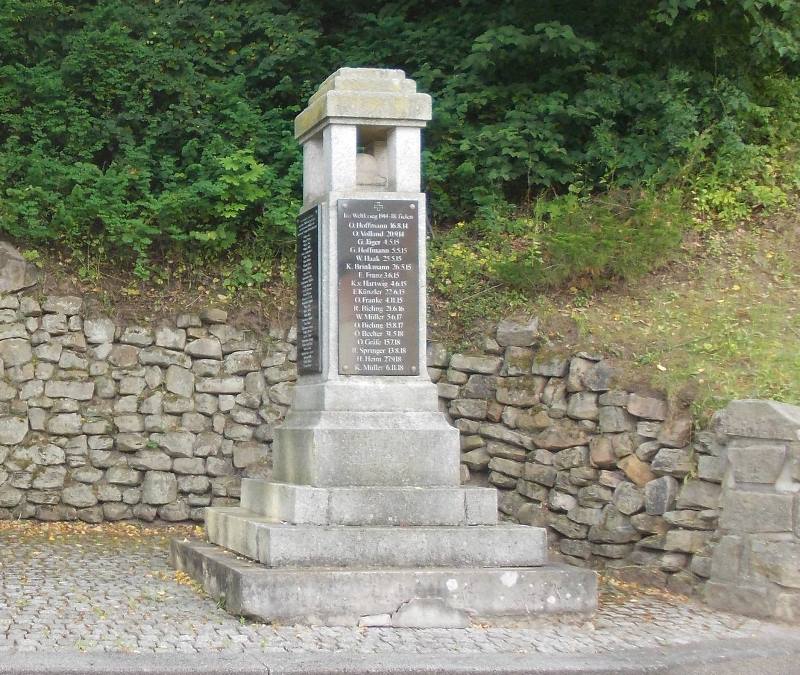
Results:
x,y
364,519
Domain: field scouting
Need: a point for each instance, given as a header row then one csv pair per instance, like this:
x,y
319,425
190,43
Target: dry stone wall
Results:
x,y
106,422
100,421
616,475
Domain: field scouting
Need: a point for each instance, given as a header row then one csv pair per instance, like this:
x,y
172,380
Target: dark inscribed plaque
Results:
x,y
308,278
378,286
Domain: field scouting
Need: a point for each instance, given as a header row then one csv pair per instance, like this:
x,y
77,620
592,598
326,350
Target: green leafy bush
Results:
x,y
129,127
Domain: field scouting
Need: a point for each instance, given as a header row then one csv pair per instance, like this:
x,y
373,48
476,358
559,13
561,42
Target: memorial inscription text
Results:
x,y
308,280
378,255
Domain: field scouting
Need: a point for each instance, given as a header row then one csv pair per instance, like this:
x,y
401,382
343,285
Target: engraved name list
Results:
x,y
378,287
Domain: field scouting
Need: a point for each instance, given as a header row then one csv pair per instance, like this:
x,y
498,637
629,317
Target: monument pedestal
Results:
x,y
365,520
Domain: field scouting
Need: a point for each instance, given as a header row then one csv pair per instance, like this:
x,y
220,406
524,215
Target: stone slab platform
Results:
x,y
375,506
281,545
320,596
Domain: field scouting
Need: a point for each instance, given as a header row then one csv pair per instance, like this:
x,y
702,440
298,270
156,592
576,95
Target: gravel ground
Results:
x,y
109,588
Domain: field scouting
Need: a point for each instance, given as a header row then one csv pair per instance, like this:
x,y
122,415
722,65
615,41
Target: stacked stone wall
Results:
x,y
615,474
105,422
100,421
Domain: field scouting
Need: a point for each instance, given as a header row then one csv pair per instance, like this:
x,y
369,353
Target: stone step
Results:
x,y
281,545
411,597
307,505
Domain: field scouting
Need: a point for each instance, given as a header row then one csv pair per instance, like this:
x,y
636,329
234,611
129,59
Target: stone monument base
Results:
x,y
408,597
393,556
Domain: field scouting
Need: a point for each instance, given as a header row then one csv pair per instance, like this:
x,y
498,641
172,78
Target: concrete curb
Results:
x,y
778,653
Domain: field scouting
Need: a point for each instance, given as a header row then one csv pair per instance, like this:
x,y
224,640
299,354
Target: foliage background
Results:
x,y
568,138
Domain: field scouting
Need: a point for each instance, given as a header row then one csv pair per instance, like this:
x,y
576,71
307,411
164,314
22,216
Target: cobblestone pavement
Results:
x,y
110,588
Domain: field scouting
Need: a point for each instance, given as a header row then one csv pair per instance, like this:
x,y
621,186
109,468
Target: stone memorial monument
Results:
x,y
364,519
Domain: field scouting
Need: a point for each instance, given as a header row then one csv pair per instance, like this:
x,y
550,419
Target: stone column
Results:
x,y
350,427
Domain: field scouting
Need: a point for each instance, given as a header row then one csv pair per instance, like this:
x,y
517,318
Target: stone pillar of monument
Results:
x,y
364,515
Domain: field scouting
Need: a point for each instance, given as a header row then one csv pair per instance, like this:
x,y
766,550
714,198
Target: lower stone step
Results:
x,y
308,505
407,597
281,545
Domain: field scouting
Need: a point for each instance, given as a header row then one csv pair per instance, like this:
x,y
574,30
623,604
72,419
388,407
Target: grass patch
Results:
x,y
723,324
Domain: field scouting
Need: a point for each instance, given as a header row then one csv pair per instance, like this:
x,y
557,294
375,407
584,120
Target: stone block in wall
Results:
x,y
759,419
564,483
756,461
517,333
550,367
648,524
533,490
510,502
506,466
648,450
622,444
744,511
710,468
614,528
437,356
578,369
635,469
628,498
490,345
673,561
532,514
477,459
485,365
471,443
505,451
677,462
701,565
159,487
576,548
601,452
515,391
15,352
554,396
571,457
737,596
601,377
517,361
456,376
560,501
585,515
615,551
698,494
777,561
581,476
594,495
12,429
569,528
676,431
684,541
541,474
533,422
471,408
447,391
787,607
562,434
647,407
693,520
500,433
494,411
582,405
615,420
